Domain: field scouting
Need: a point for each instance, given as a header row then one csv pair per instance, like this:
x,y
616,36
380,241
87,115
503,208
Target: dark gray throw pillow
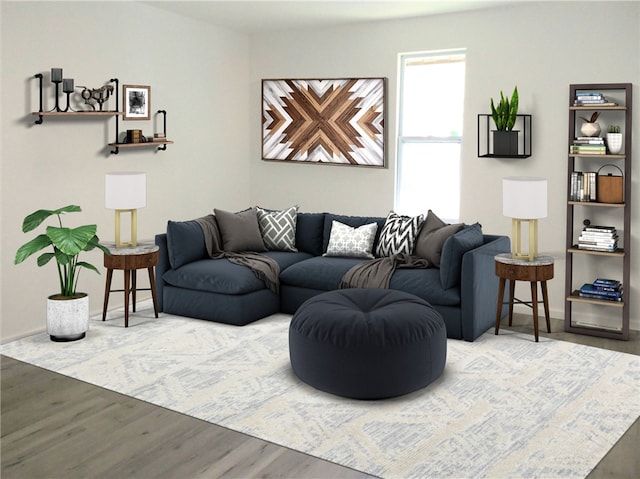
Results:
x,y
432,237
240,231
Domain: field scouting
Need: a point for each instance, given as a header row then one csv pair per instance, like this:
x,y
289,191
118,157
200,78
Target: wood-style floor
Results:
x,y
57,427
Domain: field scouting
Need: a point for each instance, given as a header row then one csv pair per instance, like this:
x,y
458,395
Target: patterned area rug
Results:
x,y
505,406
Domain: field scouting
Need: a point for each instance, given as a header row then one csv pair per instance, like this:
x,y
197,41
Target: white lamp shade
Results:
x,y
125,190
524,197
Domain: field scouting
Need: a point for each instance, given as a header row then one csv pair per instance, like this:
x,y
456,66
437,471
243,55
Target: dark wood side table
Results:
x,y
130,259
512,269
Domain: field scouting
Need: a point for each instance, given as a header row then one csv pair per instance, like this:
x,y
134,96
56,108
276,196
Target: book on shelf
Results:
x,y
588,149
589,140
590,290
597,228
583,186
607,282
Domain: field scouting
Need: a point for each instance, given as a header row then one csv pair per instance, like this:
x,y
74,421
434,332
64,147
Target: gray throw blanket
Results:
x,y
376,273
265,268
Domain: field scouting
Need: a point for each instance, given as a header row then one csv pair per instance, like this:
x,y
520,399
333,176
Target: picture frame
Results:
x,y
136,102
339,121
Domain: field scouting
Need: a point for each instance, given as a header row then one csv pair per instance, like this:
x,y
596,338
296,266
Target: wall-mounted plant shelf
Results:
x,y
486,142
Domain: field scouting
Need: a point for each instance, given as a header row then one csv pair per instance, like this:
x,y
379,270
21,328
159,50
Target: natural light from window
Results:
x,y
430,133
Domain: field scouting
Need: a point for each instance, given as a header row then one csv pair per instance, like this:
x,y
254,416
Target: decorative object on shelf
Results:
x,y
590,127
487,142
328,121
524,199
136,102
56,79
125,192
135,136
610,187
614,139
68,310
505,138
97,95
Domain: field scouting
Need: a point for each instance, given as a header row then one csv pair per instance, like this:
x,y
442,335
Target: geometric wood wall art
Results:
x,y
328,121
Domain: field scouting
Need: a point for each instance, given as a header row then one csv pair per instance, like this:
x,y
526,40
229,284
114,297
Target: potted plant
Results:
x,y
68,310
614,139
505,138
590,127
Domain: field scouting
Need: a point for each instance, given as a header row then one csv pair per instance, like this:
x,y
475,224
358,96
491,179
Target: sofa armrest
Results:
x,y
479,286
161,268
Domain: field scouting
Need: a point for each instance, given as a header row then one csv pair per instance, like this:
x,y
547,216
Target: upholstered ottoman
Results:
x,y
367,343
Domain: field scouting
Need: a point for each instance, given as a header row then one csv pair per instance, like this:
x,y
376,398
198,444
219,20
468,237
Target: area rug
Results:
x,y
505,406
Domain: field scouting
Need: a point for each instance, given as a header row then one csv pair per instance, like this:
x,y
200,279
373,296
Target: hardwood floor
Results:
x,y
57,427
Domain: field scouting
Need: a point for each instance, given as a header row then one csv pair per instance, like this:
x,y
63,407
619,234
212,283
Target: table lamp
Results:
x,y
124,192
524,199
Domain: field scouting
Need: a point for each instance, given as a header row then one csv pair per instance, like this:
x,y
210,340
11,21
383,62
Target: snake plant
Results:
x,y
504,114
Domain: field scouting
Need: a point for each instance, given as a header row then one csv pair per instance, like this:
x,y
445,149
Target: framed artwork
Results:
x,y
328,121
136,102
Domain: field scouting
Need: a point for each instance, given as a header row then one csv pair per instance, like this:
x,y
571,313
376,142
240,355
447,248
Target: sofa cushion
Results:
x,y
432,237
321,272
185,242
454,248
309,233
240,231
351,242
398,235
353,221
278,228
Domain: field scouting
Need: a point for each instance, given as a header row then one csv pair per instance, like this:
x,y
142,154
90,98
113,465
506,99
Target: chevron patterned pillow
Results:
x,y
398,234
278,228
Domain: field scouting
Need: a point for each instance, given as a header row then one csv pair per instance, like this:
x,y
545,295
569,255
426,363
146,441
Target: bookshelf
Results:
x,y
607,244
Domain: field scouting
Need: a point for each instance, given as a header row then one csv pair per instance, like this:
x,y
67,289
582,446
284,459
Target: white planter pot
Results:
x,y
614,142
67,318
590,129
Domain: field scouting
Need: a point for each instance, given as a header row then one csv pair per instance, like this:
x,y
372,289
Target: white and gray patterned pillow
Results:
x,y
351,242
398,235
278,228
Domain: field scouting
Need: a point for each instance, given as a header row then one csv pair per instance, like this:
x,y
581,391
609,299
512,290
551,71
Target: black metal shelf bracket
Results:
x,y
40,118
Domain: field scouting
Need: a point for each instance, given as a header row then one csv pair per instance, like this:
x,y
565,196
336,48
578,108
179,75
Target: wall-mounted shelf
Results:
x,y
161,144
486,148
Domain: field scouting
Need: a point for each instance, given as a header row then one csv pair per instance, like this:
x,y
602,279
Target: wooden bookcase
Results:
x,y
621,114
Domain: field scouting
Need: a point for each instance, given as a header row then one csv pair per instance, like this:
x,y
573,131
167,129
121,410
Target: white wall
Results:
x,y
198,73
542,47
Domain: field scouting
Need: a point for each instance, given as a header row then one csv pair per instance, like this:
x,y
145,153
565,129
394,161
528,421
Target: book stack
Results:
x,y
591,98
607,289
583,186
159,137
588,145
598,238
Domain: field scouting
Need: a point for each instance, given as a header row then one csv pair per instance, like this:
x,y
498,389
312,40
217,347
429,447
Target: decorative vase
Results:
x,y
505,143
614,142
67,318
590,129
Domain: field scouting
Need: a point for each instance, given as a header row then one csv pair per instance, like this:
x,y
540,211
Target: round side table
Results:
x,y
512,269
129,259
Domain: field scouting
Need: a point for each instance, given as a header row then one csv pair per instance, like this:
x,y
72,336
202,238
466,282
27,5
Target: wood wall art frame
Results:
x,y
136,102
327,121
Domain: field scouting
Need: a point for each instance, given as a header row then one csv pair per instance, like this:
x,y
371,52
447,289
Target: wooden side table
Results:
x,y
540,269
129,259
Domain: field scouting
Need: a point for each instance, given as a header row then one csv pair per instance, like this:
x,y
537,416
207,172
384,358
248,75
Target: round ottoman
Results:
x,y
367,343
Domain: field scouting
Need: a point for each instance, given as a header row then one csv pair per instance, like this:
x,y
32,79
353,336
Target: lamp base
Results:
x,y
516,242
134,229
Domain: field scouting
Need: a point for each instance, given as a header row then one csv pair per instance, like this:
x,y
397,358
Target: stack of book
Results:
x,y
598,238
591,98
607,289
588,145
583,186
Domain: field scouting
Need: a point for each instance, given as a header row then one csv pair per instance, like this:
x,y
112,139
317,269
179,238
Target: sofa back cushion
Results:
x,y
309,231
354,222
454,248
185,243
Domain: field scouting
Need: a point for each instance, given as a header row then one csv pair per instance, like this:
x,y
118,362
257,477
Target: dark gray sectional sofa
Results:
x,y
189,283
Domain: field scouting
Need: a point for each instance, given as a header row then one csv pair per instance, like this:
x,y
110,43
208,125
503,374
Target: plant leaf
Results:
x,y
33,246
71,241
84,264
45,258
36,218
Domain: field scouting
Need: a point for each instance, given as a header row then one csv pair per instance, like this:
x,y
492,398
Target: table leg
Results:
x,y
127,286
152,282
512,290
107,290
534,305
500,301
133,288
545,299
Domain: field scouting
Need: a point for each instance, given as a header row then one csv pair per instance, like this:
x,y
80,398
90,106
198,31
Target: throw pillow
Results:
x,y
278,228
185,243
432,237
240,231
454,248
351,242
398,234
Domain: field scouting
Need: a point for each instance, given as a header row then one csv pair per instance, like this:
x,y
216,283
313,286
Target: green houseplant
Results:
x,y
504,115
66,244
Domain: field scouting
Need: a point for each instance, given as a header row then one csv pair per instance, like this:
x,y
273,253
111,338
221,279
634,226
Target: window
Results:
x,y
430,133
